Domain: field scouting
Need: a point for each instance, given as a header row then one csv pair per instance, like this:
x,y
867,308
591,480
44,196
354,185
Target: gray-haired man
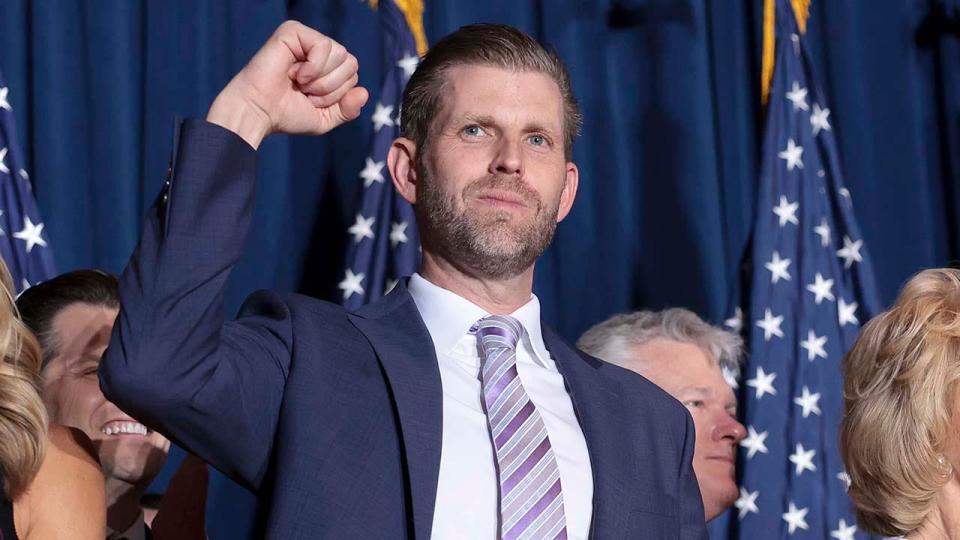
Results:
x,y
687,357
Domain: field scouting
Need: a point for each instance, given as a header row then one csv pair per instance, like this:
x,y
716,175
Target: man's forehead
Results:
x,y
678,364
80,317
81,327
500,93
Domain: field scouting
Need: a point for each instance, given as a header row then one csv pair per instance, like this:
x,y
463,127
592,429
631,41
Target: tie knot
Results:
x,y
499,332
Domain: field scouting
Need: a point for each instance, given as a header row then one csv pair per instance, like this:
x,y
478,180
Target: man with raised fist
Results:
x,y
446,409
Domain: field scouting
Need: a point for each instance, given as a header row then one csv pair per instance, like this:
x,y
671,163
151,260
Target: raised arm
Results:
x,y
172,362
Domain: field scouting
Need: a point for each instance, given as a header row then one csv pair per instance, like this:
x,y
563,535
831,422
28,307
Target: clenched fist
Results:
x,y
300,81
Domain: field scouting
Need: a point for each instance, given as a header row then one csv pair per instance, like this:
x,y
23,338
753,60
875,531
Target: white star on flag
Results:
x,y
798,96
735,323
763,383
730,376
787,211
823,230
844,531
850,252
31,234
770,325
803,459
754,442
747,503
398,233
3,161
847,313
381,116
351,284
845,478
809,402
389,285
795,39
818,119
408,64
821,288
793,155
814,346
796,518
362,228
372,172
778,268
4,104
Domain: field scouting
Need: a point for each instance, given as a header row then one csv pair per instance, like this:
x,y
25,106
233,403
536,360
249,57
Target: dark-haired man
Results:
x,y
447,409
72,316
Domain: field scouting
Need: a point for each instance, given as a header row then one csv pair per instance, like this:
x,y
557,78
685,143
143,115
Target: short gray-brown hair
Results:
x,y
616,339
482,45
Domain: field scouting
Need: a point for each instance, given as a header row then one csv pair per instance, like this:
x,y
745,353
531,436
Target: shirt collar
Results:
x,y
448,317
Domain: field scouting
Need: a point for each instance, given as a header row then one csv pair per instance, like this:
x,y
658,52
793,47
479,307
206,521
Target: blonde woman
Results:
x,y
900,437
50,486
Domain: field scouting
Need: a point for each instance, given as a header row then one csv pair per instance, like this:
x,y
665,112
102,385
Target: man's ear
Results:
x,y
401,160
571,182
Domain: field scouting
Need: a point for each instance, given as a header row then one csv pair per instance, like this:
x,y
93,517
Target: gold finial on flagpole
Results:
x,y
413,12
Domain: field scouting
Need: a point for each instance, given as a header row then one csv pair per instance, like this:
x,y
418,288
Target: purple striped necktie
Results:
x,y
531,501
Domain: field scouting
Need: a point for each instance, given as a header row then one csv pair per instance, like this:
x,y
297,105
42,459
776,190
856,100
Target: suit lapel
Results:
x,y
596,400
397,332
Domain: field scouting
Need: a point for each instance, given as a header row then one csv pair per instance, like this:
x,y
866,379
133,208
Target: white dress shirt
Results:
x,y
466,505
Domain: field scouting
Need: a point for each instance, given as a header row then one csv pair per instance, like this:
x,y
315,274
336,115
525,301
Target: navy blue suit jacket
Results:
x,y
336,416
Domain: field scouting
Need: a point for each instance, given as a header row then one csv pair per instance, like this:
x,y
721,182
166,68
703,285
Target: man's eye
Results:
x,y
696,403
473,131
538,140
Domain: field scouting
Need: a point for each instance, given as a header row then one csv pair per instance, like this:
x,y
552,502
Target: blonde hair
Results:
x,y
23,417
899,397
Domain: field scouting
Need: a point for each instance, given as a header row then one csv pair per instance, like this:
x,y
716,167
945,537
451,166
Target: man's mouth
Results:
x,y
124,428
726,458
502,198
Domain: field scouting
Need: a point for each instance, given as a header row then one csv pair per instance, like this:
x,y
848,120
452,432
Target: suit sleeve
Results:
x,y
173,363
692,524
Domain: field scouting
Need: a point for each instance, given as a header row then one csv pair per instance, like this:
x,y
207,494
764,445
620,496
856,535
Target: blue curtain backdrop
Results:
x,y
668,157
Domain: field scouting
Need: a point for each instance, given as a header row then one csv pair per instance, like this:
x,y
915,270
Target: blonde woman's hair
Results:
x,y
23,417
900,390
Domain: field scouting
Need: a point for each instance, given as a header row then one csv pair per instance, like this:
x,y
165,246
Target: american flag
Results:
x,y
24,244
811,289
384,245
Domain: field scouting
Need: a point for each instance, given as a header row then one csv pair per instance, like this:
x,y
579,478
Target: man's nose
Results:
x,y
509,157
728,428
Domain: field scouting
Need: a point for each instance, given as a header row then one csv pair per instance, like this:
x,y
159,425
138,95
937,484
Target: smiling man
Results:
x,y
446,409
72,315
685,356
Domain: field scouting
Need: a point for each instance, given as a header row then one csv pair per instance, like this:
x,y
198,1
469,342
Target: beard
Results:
x,y
490,243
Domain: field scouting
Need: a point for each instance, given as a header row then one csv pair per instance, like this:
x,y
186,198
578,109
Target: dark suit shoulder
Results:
x,y
638,388
274,305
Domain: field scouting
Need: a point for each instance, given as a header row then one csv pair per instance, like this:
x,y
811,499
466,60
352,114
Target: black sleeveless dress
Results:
x,y
7,532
